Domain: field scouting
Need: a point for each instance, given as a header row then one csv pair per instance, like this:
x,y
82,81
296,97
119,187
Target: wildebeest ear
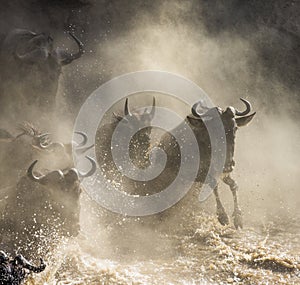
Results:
x,y
193,121
199,122
118,117
243,121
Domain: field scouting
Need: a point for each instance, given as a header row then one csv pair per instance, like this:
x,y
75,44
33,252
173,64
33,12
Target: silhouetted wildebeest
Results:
x,y
138,147
32,70
17,151
231,119
43,203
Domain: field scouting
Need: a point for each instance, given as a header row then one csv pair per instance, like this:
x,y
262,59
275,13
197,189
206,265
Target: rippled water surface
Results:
x,y
195,251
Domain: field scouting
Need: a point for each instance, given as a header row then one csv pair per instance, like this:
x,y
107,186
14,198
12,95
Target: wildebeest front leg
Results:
x,y
221,214
237,213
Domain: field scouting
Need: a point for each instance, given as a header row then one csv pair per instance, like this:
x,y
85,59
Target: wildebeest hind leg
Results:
x,y
221,214
237,213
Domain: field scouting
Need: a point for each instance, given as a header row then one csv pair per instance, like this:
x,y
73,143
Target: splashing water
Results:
x,y
197,251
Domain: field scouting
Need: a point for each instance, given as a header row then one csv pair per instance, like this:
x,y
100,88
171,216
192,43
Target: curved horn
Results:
x,y
30,172
152,112
42,146
92,171
82,150
26,264
248,108
71,56
41,139
243,121
79,43
84,141
194,110
126,109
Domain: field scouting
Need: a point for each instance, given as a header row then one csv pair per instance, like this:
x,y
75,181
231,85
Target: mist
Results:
x,y
228,63
231,49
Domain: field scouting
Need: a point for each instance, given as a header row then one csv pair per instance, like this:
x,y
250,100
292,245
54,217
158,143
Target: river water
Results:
x,y
190,248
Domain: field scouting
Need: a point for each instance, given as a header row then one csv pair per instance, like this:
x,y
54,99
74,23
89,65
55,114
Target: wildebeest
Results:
x,y
17,152
138,148
41,141
14,271
33,67
62,148
231,120
40,202
31,143
43,203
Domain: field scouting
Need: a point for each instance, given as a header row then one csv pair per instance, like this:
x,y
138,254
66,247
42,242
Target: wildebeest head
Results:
x,y
29,130
31,47
41,141
231,119
31,78
133,122
139,121
63,192
137,118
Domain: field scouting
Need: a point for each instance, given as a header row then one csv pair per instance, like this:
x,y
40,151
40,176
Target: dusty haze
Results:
x,y
231,49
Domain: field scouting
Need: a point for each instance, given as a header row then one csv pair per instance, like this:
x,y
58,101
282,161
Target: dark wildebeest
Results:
x,y
43,204
231,119
14,271
17,151
29,144
138,147
33,67
41,141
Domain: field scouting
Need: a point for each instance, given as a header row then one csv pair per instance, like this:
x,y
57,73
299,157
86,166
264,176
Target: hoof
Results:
x,y
222,217
237,219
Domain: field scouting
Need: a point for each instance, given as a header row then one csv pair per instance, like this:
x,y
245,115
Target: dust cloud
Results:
x,y
230,50
228,64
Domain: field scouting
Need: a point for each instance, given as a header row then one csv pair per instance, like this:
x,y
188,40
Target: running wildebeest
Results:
x,y
33,70
30,143
41,141
138,147
43,203
231,119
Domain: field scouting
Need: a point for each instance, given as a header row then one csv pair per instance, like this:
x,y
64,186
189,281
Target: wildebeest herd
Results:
x,y
38,199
